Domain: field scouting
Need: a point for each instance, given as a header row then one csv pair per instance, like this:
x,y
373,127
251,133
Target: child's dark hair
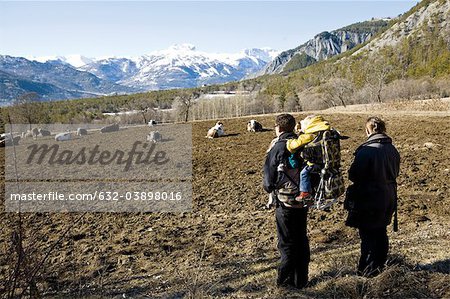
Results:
x,y
285,122
376,124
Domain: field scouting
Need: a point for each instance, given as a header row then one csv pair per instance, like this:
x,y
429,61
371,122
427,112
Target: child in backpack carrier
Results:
x,y
311,126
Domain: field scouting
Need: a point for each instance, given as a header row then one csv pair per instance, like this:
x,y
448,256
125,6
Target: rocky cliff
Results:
x,y
325,45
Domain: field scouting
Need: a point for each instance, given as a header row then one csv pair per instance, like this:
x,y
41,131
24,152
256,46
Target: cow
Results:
x,y
81,132
216,131
30,134
43,132
254,126
152,123
8,140
154,136
4,136
63,136
110,128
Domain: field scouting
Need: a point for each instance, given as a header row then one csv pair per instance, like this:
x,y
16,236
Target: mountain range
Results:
x,y
75,76
180,66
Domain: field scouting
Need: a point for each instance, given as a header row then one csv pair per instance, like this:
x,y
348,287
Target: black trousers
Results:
x,y
374,250
293,246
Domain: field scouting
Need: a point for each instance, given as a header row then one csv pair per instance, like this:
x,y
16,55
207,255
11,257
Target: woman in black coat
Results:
x,y
372,198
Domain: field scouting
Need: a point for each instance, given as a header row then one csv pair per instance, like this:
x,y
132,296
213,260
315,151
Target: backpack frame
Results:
x,y
325,152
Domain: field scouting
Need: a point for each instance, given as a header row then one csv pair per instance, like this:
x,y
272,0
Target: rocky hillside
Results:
x,y
325,45
427,15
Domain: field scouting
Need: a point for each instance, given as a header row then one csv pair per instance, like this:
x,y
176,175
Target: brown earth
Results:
x,y
226,247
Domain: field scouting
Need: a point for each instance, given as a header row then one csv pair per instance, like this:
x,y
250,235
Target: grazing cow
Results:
x,y
27,134
152,123
216,131
31,133
110,128
81,132
43,132
254,126
154,136
8,140
4,136
63,136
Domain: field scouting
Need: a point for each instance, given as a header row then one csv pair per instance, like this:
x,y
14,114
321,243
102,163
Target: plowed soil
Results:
x,y
226,247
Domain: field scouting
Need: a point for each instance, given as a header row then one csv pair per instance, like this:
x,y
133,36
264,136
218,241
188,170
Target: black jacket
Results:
x,y
275,156
374,172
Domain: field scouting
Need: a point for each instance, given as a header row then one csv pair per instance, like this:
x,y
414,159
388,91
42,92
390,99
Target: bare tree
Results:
x,y
337,90
143,106
263,103
184,102
377,74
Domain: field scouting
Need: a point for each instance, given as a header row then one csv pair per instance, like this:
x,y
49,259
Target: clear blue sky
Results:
x,y
135,28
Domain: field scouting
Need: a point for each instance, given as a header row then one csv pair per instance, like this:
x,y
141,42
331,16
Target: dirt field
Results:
x,y
226,247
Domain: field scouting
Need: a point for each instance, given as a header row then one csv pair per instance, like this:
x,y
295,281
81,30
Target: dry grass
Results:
x,y
431,107
166,256
425,105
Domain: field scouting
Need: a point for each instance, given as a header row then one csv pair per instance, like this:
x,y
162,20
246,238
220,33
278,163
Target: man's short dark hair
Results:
x,y
376,124
285,122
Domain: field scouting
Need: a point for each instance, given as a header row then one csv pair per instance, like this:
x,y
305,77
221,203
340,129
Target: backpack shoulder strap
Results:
x,y
282,168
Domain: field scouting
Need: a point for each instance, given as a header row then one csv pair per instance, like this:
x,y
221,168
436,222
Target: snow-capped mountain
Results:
x,y
112,69
53,79
265,54
75,60
179,66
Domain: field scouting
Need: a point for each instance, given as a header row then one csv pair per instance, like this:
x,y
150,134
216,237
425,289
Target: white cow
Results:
x,y
154,136
254,126
152,123
216,131
63,136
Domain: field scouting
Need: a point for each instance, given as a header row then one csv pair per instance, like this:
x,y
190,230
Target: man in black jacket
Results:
x,y
372,198
293,242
